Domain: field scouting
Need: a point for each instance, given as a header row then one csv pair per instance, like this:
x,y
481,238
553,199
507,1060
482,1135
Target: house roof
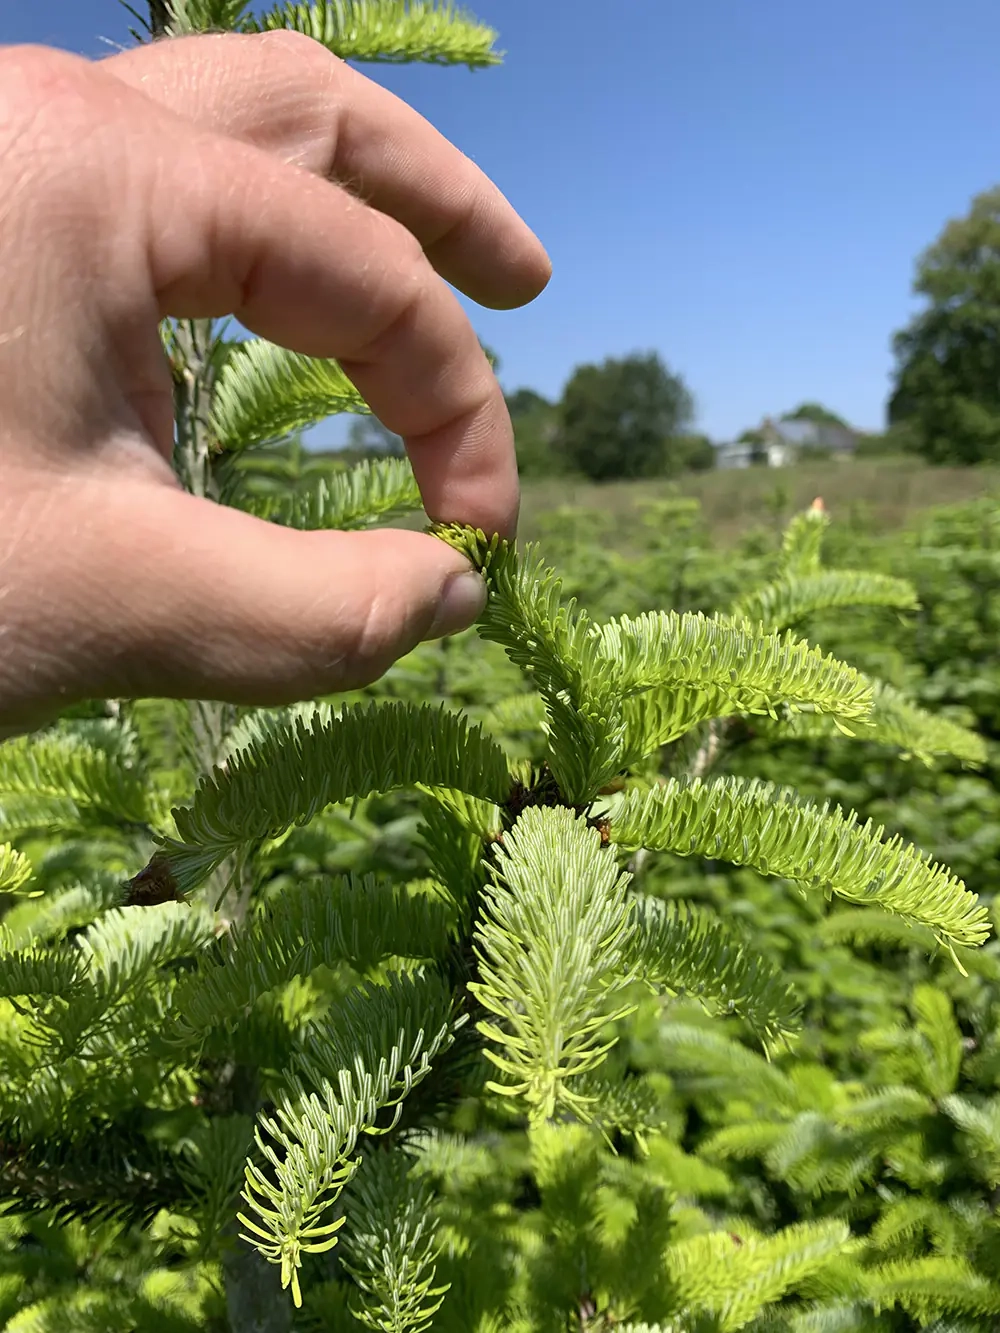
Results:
x,y
813,434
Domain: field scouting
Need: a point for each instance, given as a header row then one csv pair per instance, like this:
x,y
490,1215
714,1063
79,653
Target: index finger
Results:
x,y
208,226
285,93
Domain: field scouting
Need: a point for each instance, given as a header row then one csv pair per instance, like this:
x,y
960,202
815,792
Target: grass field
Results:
x,y
885,493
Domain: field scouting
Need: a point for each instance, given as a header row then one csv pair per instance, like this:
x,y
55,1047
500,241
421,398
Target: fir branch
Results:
x,y
749,822
893,1108
588,674
518,712
61,779
327,921
817,1156
552,946
15,870
166,736
894,721
734,1282
714,1060
821,1154
552,643
871,925
932,1287
689,951
950,1227
935,1022
378,1021
637,1260
787,601
481,818
40,972
298,769
454,852
980,1125
452,1160
84,1311
566,1160
37,920
802,542
390,1247
119,955
666,649
264,726
389,30
525,613
211,1162
926,1053
905,1219
311,1163
691,1175
265,392
358,497
124,947
744,1140
631,1105
190,16
109,1170
816,1160
22,814
657,717
310,1142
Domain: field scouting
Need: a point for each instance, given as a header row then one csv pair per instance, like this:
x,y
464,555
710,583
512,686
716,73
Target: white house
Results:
x,y
782,442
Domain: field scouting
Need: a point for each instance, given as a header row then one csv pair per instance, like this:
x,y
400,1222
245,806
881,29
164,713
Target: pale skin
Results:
x,y
262,177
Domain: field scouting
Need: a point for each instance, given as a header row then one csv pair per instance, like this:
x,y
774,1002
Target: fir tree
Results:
x,y
300,1076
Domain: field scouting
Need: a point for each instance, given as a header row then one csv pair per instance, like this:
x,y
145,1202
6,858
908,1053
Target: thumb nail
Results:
x,y
462,600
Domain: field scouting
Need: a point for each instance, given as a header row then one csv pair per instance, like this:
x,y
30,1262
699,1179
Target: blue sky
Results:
x,y
742,185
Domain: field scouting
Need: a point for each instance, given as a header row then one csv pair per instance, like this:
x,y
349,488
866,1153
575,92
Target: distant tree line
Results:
x,y
945,403
625,418
633,417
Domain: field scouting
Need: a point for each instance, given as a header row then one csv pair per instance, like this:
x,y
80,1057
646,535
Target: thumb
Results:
x,y
166,594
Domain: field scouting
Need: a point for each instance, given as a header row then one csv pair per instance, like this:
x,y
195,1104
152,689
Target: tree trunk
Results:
x,y
194,384
255,1302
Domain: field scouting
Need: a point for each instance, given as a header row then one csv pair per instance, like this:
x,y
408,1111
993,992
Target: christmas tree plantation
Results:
x,y
370,1012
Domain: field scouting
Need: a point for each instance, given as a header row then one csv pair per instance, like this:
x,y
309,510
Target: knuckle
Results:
x,y
46,112
296,48
404,268
407,266
374,624
36,79
369,647
396,289
385,633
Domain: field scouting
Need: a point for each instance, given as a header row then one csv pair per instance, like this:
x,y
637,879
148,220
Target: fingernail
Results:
x,y
462,600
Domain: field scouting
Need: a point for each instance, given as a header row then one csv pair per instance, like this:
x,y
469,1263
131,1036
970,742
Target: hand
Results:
x,y
196,177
